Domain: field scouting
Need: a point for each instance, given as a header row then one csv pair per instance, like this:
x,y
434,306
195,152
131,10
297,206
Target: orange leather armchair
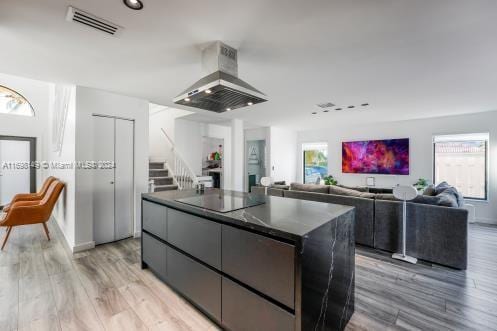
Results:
x,y
32,212
31,196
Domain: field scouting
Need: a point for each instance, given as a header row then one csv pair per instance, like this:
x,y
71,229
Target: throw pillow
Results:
x,y
430,190
309,188
448,198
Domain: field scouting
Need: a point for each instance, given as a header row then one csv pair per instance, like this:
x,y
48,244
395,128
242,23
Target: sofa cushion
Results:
x,y
309,188
337,190
422,199
430,190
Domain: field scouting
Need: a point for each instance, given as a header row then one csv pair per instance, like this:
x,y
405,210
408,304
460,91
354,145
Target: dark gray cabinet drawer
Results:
x,y
265,264
155,255
198,237
195,281
154,218
246,311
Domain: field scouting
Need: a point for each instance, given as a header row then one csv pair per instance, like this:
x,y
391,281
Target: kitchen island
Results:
x,y
253,262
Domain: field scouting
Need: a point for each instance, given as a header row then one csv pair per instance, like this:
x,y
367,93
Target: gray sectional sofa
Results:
x,y
437,227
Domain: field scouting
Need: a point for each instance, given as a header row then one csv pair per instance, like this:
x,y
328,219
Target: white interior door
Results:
x,y
124,174
103,180
14,179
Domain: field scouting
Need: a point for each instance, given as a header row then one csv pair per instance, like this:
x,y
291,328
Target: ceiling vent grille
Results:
x,y
92,21
325,105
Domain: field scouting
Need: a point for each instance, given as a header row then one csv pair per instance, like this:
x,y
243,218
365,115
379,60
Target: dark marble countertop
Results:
x,y
284,218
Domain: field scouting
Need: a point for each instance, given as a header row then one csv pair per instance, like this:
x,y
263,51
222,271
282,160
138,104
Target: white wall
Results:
x,y
188,140
92,101
65,210
160,149
37,93
283,154
420,133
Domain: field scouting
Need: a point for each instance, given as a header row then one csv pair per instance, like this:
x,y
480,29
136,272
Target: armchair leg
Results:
x,y
9,229
46,230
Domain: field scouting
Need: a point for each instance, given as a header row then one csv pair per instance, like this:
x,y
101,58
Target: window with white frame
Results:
x,y
462,161
315,162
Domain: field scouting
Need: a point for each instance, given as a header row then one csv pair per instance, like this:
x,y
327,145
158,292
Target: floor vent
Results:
x,y
92,21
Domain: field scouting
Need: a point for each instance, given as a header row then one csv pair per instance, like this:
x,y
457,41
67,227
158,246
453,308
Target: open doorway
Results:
x,y
255,162
17,171
212,160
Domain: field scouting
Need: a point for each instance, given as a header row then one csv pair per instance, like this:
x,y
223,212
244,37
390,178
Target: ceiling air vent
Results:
x,y
92,21
325,105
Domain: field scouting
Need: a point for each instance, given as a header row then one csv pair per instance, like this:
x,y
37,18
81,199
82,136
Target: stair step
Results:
x,y
157,173
162,180
156,165
160,188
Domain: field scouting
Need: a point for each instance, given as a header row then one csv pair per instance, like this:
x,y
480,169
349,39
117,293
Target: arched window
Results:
x,y
13,103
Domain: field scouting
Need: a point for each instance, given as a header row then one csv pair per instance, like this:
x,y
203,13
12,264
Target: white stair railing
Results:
x,y
181,172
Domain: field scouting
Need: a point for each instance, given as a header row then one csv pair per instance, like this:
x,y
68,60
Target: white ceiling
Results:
x,y
406,58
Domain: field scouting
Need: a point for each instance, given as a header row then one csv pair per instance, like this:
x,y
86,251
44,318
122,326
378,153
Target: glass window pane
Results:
x,y
13,103
463,164
315,163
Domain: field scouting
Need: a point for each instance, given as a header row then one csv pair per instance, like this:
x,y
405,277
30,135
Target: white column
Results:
x,y
237,153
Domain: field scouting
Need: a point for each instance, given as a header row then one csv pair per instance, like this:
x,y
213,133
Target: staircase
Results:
x,y
159,175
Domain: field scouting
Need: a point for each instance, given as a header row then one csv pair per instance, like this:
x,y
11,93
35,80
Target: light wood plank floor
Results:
x,y
44,287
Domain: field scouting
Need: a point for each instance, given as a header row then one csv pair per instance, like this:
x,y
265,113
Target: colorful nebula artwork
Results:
x,y
387,157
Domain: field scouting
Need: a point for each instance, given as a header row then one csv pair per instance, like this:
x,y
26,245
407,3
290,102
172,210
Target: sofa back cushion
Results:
x,y
309,188
423,199
337,190
358,188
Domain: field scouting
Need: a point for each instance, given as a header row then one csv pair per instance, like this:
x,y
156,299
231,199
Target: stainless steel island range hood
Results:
x,y
221,90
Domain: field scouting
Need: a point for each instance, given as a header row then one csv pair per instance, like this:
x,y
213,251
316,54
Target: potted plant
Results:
x,y
329,180
421,184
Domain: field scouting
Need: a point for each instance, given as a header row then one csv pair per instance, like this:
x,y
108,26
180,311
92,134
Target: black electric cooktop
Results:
x,y
224,201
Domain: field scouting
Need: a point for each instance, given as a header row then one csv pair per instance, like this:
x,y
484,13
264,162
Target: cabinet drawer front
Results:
x,y
244,310
154,219
198,237
154,255
195,281
265,264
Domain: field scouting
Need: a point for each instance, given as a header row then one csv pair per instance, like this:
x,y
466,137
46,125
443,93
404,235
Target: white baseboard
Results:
x,y
485,220
83,247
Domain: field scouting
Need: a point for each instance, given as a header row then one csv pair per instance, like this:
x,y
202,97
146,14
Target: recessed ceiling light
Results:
x,y
208,91
187,99
314,113
133,4
228,109
365,104
325,111
338,109
351,107
250,103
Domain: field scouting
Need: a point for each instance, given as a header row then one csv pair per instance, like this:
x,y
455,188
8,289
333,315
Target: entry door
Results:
x,y
16,173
